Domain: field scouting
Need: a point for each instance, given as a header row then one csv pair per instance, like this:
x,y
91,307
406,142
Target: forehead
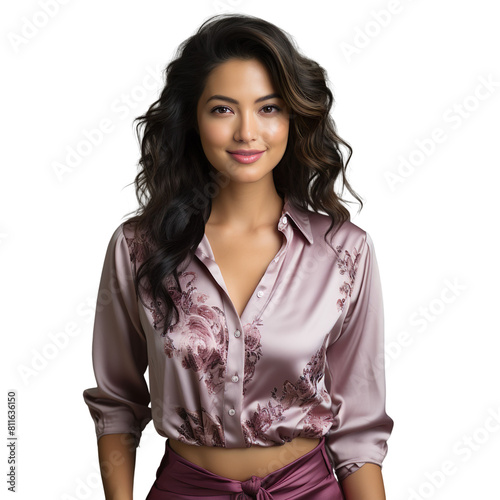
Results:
x,y
239,76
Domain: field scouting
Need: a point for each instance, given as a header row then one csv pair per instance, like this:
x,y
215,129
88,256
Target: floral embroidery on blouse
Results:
x,y
347,266
201,334
202,330
138,248
304,393
253,350
200,428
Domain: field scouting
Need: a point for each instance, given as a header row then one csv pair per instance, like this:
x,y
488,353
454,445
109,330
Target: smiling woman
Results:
x,y
244,287
251,130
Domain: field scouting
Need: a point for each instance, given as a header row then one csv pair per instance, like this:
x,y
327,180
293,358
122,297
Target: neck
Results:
x,y
246,207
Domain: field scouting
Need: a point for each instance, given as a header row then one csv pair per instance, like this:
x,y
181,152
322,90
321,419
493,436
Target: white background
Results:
x,y
396,77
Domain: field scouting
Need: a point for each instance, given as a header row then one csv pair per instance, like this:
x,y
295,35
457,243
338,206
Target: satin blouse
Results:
x,y
306,357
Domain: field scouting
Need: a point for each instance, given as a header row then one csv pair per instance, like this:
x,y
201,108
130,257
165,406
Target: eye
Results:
x,y
271,106
216,109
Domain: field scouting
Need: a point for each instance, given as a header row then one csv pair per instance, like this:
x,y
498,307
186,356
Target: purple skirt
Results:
x,y
309,477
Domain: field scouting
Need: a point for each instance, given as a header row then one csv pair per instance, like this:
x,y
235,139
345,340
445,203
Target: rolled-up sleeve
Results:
x,y
120,402
356,366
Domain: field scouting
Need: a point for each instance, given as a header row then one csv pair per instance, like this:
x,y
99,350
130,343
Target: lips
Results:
x,y
246,155
247,152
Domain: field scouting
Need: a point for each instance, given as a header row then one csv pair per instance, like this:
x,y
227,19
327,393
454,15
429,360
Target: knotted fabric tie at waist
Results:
x,y
253,488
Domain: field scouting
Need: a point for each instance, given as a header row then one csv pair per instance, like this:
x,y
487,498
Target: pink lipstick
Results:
x,y
246,155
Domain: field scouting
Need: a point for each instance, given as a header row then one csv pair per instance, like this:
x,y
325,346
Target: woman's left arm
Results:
x,y
364,484
357,440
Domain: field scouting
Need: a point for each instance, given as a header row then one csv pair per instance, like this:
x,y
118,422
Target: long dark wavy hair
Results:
x,y
175,182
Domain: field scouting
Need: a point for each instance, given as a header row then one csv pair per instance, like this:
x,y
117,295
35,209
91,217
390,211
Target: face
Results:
x,y
240,112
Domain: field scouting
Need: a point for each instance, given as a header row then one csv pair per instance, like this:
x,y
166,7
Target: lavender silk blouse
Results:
x,y
306,357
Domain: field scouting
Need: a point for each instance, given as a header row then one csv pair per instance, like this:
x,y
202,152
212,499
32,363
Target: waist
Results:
x,y
242,463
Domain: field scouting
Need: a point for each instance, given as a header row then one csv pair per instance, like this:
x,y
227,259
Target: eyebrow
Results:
x,y
234,101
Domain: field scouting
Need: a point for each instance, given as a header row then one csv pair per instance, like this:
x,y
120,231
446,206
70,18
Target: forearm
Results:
x,y
364,484
117,463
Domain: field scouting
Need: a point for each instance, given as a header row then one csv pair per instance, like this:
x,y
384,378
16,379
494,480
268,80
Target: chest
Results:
x,y
243,260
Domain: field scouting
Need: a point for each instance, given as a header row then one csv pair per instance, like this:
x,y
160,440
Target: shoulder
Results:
x,y
136,241
345,235
121,237
125,239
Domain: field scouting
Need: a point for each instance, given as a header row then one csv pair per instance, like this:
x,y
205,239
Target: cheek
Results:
x,y
214,134
277,132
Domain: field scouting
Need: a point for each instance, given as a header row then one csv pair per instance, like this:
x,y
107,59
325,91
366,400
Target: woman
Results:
x,y
260,319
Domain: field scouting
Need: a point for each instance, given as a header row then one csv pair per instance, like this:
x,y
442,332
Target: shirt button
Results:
x,y
260,293
283,220
232,411
235,378
237,333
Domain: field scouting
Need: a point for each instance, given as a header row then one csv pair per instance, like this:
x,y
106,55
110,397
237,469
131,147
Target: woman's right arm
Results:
x,y
117,462
119,404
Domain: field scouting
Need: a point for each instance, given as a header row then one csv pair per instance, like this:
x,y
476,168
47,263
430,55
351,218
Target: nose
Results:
x,y
246,127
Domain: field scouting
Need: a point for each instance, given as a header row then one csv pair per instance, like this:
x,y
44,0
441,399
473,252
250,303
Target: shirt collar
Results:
x,y
300,218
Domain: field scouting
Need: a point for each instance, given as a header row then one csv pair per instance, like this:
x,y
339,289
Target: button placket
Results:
x,y
232,398
233,395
